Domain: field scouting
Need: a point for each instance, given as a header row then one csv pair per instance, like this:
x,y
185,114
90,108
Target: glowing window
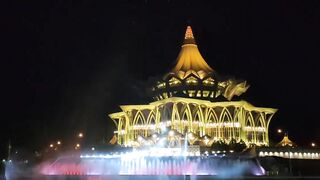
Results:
x,y
205,93
192,80
222,84
174,82
161,85
165,95
191,93
208,82
199,94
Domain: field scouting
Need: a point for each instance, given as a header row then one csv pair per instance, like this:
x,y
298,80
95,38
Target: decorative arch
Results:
x,y
166,113
225,113
151,118
198,117
261,136
186,115
261,120
249,121
226,130
121,124
197,114
139,118
176,122
212,116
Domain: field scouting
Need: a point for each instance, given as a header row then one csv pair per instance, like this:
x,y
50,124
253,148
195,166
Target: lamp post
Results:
x,y
77,146
279,131
80,135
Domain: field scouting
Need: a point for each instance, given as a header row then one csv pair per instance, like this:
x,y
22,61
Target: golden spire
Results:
x,y
189,58
188,37
286,142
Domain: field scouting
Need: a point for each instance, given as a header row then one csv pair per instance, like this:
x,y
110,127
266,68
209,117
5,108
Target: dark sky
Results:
x,y
67,64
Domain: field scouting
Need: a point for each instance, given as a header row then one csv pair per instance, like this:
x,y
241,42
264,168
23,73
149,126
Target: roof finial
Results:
x,y
189,57
188,38
189,33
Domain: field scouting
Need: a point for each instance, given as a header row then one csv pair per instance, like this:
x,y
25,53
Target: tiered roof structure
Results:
x,y
193,101
286,142
192,77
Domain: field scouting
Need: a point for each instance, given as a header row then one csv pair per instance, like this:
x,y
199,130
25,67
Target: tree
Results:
x,y
233,145
239,146
220,146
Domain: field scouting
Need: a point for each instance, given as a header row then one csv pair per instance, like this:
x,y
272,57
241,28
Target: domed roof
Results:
x,y
192,77
189,58
286,142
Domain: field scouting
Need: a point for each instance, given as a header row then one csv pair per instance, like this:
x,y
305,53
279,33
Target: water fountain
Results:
x,y
152,162
158,159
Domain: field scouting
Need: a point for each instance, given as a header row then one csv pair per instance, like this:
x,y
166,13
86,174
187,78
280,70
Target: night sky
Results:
x,y
67,64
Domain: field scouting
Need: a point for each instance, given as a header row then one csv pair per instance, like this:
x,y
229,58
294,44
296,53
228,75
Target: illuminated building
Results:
x,y
193,102
286,142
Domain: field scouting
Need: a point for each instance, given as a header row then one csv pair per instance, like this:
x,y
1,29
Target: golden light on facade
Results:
x,y
286,142
206,141
190,136
192,99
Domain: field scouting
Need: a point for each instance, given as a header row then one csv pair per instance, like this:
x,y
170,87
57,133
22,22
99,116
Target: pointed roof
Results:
x,y
286,142
189,58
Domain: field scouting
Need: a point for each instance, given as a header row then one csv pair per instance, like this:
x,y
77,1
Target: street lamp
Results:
x,y
77,146
190,136
279,131
51,145
58,142
80,135
313,144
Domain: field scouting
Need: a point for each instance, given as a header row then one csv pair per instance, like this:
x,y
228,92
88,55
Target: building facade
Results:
x,y
195,104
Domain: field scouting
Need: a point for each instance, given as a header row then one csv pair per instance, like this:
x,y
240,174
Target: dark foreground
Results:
x,y
156,177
